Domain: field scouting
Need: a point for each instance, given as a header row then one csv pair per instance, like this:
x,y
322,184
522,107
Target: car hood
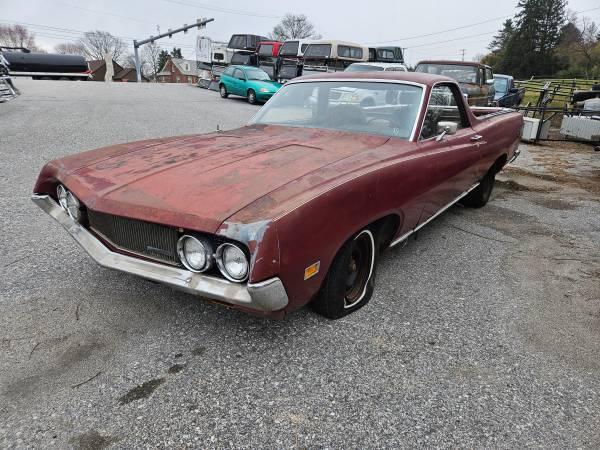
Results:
x,y
197,182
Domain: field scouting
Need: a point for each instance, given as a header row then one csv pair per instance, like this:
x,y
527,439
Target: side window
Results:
x,y
343,51
237,73
356,52
445,105
488,74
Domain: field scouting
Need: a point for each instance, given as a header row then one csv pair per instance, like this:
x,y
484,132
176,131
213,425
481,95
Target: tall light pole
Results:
x,y
200,23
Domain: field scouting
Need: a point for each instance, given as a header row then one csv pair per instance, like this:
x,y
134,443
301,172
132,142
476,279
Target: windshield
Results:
x,y
318,51
363,68
462,74
501,85
386,109
255,74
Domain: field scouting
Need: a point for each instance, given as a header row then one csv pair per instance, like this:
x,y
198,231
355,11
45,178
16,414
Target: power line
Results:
x,y
222,10
439,32
453,40
408,38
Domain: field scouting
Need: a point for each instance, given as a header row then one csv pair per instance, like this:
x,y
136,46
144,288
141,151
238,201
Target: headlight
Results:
x,y
61,195
194,254
263,90
73,207
232,262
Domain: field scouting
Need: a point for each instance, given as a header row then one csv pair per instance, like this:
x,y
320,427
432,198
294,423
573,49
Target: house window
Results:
x,y
187,67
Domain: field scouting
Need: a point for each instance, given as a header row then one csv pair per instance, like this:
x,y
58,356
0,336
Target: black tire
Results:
x,y
251,97
479,196
350,282
223,91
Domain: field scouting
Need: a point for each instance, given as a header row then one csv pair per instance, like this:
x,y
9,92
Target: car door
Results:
x,y
452,157
239,82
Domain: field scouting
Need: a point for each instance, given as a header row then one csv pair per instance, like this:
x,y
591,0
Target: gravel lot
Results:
x,y
484,331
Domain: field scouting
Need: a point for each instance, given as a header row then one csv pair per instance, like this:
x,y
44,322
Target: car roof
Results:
x,y
499,75
411,77
454,63
239,66
378,64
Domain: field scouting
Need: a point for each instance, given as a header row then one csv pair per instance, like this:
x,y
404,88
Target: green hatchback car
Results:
x,y
247,81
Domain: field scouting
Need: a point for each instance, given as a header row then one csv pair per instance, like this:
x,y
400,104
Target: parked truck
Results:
x,y
475,80
507,94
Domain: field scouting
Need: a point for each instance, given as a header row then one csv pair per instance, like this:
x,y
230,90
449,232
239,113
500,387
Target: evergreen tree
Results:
x,y
163,56
500,41
176,53
531,50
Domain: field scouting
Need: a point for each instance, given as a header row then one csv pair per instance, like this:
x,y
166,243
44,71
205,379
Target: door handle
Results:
x,y
477,137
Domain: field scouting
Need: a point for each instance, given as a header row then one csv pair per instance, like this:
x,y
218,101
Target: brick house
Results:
x,y
177,70
98,71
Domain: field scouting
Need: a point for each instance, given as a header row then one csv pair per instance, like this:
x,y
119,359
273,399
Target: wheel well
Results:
x,y
385,229
500,163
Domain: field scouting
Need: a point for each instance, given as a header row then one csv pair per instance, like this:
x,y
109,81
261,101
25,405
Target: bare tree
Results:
x,y
151,59
97,43
294,26
69,48
586,42
17,36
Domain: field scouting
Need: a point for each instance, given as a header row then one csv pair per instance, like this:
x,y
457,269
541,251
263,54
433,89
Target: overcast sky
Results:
x,y
402,23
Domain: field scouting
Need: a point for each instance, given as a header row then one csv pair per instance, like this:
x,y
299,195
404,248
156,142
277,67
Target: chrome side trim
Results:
x,y
407,235
266,296
515,156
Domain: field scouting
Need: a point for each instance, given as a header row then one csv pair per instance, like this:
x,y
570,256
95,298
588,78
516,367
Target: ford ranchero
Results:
x,y
295,207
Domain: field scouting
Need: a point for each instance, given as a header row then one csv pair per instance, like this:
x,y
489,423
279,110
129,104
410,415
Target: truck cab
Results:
x,y
266,57
290,59
332,56
476,80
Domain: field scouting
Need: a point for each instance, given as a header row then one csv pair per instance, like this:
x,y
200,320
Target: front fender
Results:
x,y
262,240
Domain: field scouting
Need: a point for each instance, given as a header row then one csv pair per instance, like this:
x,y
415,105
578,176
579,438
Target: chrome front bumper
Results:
x,y
267,296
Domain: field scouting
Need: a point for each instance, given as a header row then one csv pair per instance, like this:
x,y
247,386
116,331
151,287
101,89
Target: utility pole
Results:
x,y
463,50
200,23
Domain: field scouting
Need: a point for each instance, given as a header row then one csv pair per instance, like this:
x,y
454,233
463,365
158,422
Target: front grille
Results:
x,y
152,240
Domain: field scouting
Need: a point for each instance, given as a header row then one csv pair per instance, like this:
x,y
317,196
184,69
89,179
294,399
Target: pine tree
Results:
x,y
500,41
163,56
531,51
176,53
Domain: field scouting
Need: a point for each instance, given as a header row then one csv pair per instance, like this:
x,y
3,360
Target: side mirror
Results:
x,y
241,78
446,128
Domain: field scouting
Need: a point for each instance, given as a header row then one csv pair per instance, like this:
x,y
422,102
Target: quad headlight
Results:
x,y
232,262
68,202
195,254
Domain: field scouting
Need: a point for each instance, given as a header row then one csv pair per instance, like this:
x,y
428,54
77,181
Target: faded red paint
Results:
x,y
292,195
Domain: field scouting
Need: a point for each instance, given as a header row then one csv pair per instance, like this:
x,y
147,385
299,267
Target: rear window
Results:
x,y
289,48
385,54
318,51
266,50
363,68
241,59
238,41
345,51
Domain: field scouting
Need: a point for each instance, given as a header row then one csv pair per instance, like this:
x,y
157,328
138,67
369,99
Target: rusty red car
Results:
x,y
295,207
